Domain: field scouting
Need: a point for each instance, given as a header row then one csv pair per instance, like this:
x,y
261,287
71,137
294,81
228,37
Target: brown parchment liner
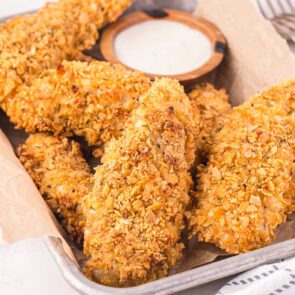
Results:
x,y
23,213
256,58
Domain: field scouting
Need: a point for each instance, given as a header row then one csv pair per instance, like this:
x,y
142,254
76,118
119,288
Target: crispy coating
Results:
x,y
246,190
92,100
211,106
63,177
60,31
136,209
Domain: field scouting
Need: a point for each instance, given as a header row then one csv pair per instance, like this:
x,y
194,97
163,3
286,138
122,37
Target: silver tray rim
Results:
x,y
174,283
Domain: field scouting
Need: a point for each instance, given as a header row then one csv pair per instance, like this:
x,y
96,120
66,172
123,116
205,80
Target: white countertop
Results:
x,y
27,268
12,7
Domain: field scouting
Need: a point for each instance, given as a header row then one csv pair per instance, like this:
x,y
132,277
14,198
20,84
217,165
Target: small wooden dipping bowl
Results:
x,y
202,25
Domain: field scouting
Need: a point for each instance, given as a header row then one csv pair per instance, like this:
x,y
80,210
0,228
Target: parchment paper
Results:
x,y
23,213
257,55
256,58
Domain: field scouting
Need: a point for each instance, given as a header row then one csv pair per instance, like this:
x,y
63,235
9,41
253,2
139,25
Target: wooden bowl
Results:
x,y
214,35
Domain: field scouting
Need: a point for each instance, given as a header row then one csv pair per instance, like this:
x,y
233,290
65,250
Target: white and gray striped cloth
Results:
x,y
282,15
271,279
273,8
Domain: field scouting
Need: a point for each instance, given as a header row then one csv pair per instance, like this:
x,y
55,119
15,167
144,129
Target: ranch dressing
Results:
x,y
162,47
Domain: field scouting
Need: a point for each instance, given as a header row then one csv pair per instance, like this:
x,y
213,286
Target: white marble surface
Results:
x,y
12,7
27,268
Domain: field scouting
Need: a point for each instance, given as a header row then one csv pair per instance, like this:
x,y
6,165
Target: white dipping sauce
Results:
x,y
162,47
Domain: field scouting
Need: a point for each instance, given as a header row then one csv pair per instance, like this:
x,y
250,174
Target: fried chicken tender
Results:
x,y
137,206
211,106
63,177
60,31
246,190
92,100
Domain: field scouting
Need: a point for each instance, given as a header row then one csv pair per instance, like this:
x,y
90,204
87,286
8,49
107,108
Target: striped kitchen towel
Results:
x,y
270,279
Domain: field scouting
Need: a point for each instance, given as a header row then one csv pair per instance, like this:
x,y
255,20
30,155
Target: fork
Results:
x,y
281,13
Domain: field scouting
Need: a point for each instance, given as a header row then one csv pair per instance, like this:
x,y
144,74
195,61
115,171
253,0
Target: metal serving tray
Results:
x,y
178,282
174,283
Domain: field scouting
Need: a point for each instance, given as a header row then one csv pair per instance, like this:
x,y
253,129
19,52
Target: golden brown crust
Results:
x,y
63,177
92,100
210,106
136,209
60,31
246,190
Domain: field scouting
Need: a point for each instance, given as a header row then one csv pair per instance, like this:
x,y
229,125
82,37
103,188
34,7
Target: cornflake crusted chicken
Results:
x,y
141,190
62,176
212,105
246,190
60,31
92,100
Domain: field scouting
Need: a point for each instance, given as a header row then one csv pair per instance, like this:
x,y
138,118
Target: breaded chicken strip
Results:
x,y
92,100
60,31
212,105
63,177
246,190
141,190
